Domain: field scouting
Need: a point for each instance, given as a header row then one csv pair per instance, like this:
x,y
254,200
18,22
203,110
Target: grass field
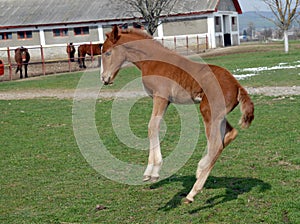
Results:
x,y
45,179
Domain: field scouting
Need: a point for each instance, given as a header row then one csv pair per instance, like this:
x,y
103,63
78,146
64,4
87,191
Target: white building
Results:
x,y
48,22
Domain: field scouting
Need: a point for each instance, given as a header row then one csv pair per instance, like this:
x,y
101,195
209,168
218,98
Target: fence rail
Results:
x,y
51,59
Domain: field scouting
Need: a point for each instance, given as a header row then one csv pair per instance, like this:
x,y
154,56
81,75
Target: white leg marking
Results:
x,y
148,170
155,151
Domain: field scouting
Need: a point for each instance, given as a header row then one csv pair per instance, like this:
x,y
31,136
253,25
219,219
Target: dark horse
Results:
x,y
90,49
71,52
22,57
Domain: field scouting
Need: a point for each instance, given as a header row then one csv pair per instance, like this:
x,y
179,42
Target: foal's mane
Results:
x,y
145,35
137,32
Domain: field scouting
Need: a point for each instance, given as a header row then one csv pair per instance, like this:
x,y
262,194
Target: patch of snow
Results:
x,y
255,71
241,77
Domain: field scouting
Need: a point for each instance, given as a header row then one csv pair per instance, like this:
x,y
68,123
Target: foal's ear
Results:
x,y
114,35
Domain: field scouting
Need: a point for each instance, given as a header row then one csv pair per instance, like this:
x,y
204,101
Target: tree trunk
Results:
x,y
286,41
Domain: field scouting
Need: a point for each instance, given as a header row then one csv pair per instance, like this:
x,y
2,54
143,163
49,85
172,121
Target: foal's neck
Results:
x,y
150,50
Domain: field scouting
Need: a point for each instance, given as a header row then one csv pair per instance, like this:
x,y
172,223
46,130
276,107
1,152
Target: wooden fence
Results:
x,y
53,59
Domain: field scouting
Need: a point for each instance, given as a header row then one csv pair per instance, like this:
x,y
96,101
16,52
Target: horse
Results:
x,y
171,78
22,57
90,49
71,52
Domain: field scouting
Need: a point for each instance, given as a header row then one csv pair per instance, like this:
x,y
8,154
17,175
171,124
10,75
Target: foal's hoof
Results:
x,y
187,201
146,178
154,179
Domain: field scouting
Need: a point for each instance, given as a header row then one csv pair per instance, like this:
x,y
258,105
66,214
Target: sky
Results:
x,y
253,5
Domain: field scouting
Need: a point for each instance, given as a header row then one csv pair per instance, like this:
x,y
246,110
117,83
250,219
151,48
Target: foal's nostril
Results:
x,y
106,82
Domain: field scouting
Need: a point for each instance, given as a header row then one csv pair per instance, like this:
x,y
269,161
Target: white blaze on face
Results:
x,y
105,69
101,67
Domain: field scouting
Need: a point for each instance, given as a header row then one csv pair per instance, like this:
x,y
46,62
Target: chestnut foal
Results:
x,y
170,78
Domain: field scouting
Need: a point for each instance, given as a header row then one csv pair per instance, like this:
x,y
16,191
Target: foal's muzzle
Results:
x,y
106,81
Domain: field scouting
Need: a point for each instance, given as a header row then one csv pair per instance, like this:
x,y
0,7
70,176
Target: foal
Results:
x,y
88,49
170,78
22,57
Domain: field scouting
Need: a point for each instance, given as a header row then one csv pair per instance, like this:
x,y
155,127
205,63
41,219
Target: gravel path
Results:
x,y
69,94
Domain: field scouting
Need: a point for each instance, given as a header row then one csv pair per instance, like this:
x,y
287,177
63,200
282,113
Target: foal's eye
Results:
x,y
108,53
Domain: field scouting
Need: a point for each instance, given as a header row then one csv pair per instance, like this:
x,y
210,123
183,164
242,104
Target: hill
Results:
x,y
257,19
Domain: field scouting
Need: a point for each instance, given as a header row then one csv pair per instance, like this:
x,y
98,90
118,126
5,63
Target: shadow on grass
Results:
x,y
234,186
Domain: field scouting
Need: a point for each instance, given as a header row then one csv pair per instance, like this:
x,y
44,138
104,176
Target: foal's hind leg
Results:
x,y
227,134
83,63
81,59
214,149
155,158
230,133
219,134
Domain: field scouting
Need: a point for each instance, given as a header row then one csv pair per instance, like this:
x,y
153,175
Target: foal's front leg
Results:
x,y
21,72
26,75
155,158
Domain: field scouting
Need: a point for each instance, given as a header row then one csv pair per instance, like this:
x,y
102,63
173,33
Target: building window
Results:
x,y
233,20
81,30
217,20
24,34
218,27
60,32
6,36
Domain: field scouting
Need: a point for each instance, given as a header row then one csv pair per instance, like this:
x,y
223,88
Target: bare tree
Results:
x,y
251,30
152,11
267,33
285,12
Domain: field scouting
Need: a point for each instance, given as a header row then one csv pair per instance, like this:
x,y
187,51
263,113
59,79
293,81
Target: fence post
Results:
x,y
206,39
69,56
9,63
187,44
175,44
43,60
197,44
92,55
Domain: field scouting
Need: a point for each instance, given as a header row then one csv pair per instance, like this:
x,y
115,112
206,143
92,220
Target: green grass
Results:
x,y
262,56
248,56
62,81
66,81
45,179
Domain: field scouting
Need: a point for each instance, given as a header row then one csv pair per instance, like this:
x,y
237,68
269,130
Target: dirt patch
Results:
x,y
69,94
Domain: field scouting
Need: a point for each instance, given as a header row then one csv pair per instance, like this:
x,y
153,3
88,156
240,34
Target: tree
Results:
x,y
285,12
267,33
152,11
251,30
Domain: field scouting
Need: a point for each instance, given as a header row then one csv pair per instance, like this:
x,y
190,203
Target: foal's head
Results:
x,y
114,51
112,57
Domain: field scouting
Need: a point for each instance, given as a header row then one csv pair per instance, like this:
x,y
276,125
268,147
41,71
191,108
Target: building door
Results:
x,y
227,32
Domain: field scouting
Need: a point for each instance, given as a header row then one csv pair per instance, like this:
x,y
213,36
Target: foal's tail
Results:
x,y
247,108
